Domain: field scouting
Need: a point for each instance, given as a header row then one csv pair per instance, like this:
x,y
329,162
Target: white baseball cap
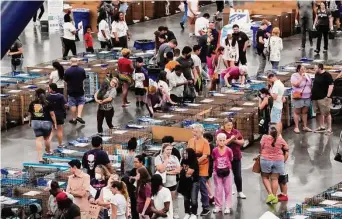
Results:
x,y
66,7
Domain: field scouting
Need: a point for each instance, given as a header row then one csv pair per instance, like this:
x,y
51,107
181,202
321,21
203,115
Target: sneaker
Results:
x,y
241,195
142,104
325,51
80,120
137,104
270,198
216,210
227,211
74,122
283,198
193,216
316,51
274,201
205,212
176,216
187,216
182,25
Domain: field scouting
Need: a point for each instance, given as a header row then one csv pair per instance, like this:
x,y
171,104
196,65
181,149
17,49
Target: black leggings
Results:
x,y
121,43
176,99
106,44
219,5
236,166
69,45
40,13
322,30
104,114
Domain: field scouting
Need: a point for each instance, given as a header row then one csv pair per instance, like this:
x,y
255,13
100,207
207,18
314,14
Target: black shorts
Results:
x,y
60,121
283,179
140,91
172,188
335,14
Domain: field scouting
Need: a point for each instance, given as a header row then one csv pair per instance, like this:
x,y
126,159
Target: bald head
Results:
x,y
74,61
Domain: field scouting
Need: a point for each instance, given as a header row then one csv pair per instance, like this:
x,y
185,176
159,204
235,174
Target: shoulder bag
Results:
x,y
296,95
256,167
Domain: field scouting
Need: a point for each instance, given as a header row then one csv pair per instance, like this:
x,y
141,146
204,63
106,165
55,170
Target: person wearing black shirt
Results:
x,y
323,23
322,87
16,53
74,77
170,35
58,104
214,35
204,42
189,182
187,64
243,42
95,157
42,120
260,37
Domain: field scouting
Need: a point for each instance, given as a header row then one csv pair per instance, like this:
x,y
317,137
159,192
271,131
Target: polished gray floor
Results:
x,y
311,167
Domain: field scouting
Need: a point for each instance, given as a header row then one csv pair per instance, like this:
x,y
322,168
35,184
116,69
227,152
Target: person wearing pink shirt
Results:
x,y
222,156
273,155
233,72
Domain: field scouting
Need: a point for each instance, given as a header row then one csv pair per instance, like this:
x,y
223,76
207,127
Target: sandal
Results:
x,y
306,129
296,130
328,132
320,129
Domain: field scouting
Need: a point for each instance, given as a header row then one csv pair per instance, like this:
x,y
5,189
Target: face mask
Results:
x,y
98,176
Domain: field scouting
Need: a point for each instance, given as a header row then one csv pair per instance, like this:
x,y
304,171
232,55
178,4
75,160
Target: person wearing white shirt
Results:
x,y
106,196
104,33
201,23
275,44
193,11
66,10
161,204
140,92
231,51
177,82
119,201
277,93
120,31
57,77
69,36
164,88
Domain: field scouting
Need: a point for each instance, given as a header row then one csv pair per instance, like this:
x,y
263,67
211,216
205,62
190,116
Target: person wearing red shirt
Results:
x,y
125,66
234,72
88,39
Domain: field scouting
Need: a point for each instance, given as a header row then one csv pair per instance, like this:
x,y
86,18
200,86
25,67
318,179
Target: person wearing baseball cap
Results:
x,y
67,209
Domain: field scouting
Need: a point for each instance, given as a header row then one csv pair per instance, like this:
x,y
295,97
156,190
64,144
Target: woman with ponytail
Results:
x,y
57,77
119,201
42,120
105,97
274,152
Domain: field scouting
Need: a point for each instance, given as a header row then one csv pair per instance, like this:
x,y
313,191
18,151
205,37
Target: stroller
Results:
x,y
336,107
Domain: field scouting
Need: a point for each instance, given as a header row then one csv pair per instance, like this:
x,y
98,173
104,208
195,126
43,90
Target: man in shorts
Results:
x,y
323,86
277,93
74,77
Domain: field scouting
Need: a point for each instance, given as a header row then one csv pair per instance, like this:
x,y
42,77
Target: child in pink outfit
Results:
x,y
222,156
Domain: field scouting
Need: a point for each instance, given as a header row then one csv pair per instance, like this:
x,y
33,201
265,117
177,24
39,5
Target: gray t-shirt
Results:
x,y
110,105
163,49
173,164
305,8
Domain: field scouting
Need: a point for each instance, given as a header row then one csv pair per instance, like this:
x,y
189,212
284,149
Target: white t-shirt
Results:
x,y
121,204
120,28
200,24
103,25
139,79
164,195
55,79
163,86
174,80
107,197
68,29
172,164
194,7
278,88
276,45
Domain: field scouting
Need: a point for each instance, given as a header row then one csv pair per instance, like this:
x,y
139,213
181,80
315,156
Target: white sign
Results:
x,y
55,10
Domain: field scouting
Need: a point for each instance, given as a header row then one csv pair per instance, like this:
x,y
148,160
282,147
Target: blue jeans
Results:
x,y
191,202
41,128
185,14
204,192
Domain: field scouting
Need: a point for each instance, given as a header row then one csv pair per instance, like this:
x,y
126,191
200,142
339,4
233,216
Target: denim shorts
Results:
x,y
275,115
76,101
41,128
300,103
270,166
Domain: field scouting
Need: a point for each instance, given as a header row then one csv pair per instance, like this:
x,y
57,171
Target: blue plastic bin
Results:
x,y
81,14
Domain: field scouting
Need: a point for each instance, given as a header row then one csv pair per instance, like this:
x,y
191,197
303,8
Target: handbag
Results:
x,y
256,166
189,92
223,172
296,95
338,156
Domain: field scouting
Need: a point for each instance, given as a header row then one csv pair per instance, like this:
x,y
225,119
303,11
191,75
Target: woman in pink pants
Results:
x,y
222,156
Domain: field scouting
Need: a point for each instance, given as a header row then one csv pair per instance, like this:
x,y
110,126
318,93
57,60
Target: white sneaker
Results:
x,y
217,210
241,195
227,211
193,216
187,216
176,216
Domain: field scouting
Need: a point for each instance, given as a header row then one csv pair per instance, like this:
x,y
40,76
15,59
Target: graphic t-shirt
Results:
x,y
235,147
109,105
98,185
173,164
222,161
93,158
139,79
39,111
323,17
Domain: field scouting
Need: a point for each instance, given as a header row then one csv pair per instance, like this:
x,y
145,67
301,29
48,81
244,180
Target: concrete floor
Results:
x,y
311,167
